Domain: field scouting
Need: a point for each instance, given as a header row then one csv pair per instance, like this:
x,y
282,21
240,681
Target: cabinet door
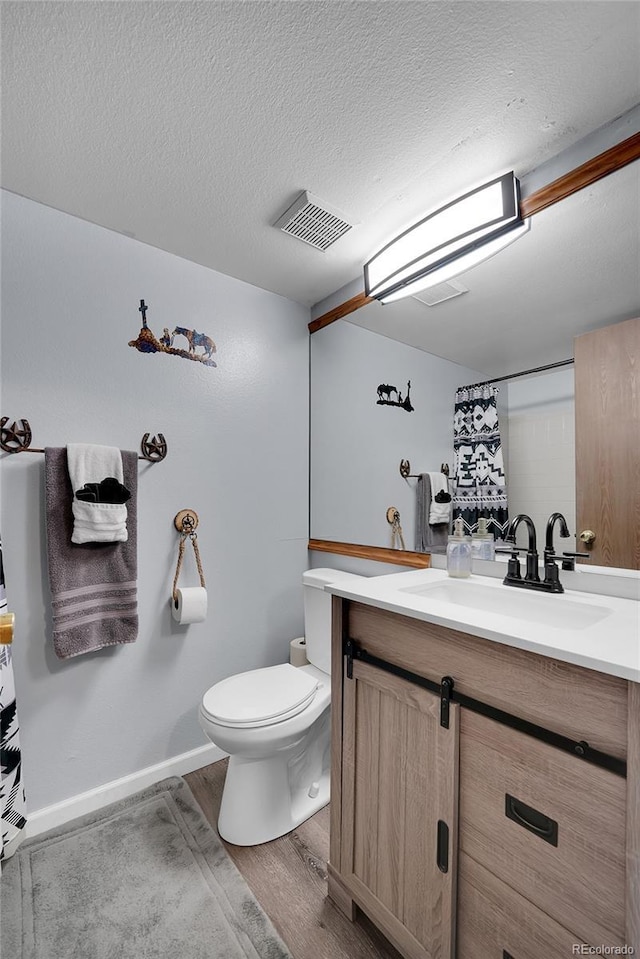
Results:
x,y
399,801
607,371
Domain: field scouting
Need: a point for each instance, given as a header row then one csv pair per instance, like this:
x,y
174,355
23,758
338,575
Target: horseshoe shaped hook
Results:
x,y
14,438
154,450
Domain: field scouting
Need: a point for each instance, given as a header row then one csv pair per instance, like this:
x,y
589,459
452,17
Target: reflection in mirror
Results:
x,y
539,448
357,443
576,270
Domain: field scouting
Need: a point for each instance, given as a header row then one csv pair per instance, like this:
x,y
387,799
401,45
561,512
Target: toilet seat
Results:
x,y
260,697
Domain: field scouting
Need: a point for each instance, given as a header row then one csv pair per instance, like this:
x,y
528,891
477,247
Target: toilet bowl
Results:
x,y
278,773
275,725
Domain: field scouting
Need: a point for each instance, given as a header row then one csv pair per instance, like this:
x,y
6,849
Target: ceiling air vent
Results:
x,y
441,292
313,221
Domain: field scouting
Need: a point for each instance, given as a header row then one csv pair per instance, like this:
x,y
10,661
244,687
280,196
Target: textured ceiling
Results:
x,y
192,125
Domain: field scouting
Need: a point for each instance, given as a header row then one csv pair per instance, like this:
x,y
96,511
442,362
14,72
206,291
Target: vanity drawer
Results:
x,y
546,823
576,702
494,921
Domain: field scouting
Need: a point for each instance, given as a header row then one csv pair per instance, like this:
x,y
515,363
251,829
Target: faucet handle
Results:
x,y
513,566
551,581
551,576
569,559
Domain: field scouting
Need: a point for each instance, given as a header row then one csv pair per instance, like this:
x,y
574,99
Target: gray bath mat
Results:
x,y
144,878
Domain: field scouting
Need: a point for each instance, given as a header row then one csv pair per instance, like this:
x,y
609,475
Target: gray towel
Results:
x,y
93,586
429,539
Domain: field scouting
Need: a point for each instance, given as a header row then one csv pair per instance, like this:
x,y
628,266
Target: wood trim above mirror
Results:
x,y
398,557
584,175
575,180
349,306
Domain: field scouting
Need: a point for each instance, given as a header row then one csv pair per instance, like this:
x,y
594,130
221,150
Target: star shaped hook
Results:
x,y
154,449
14,438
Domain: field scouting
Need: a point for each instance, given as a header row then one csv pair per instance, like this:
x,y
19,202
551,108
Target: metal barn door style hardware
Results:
x,y
445,690
448,694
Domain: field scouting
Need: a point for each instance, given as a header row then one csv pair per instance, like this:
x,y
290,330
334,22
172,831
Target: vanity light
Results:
x,y
448,242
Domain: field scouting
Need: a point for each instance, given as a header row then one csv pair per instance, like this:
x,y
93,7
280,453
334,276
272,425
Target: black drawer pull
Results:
x,y
506,955
536,822
442,853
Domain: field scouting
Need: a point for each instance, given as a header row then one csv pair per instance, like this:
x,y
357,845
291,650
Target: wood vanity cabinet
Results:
x,y
460,835
399,786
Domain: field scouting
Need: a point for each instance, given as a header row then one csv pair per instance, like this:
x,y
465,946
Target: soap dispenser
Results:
x,y
459,552
482,542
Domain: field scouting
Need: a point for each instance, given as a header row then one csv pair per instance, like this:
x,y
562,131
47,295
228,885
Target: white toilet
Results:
x,y
274,723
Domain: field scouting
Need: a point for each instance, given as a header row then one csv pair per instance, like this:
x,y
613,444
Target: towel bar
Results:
x,y
17,439
405,470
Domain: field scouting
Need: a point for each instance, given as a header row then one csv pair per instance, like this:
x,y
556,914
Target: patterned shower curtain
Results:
x,y
12,801
479,480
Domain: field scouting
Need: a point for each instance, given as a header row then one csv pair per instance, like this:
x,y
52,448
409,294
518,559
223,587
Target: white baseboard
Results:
x,y
59,813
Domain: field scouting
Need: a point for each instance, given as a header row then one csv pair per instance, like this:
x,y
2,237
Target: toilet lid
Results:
x,y
260,696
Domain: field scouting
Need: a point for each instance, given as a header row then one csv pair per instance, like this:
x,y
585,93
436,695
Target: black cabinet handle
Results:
x,y
506,955
442,853
531,819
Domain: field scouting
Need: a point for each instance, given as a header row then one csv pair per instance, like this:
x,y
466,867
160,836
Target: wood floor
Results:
x,y
289,879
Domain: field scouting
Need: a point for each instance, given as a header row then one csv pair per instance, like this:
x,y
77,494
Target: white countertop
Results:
x,y
589,629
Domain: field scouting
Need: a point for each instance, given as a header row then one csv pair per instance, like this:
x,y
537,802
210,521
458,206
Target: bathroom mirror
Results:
x,y
575,271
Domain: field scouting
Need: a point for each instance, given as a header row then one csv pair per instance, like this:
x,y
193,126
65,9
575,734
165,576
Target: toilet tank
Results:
x,y
317,613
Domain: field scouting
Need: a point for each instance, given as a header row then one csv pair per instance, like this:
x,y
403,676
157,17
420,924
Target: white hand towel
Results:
x,y
438,512
96,522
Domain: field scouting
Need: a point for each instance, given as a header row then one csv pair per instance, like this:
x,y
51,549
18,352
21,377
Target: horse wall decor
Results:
x,y
386,390
195,339
146,342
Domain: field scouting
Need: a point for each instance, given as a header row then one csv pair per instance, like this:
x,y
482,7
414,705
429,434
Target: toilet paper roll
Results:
x,y
191,605
298,652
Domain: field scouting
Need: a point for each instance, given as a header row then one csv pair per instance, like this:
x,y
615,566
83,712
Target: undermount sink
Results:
x,y
546,610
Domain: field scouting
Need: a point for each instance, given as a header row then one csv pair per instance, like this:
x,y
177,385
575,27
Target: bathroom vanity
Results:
x,y
486,767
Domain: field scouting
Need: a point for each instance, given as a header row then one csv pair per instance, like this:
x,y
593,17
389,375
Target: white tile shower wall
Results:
x,y
541,469
238,454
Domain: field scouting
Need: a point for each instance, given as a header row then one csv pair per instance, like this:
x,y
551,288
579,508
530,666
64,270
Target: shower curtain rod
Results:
x,y
514,376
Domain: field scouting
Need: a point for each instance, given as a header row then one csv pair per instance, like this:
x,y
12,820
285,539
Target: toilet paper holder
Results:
x,y
186,522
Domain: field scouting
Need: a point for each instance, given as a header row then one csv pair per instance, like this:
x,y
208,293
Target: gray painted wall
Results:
x,y
238,454
357,445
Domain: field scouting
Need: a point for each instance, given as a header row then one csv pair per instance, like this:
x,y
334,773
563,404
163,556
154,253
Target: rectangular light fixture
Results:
x,y
448,242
